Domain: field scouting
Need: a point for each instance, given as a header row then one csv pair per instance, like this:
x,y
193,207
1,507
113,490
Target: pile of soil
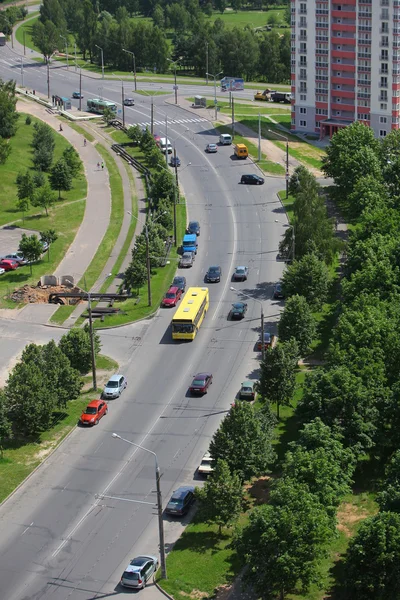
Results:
x,y
40,294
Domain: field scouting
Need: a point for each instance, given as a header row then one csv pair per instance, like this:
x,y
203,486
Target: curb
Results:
x,y
162,591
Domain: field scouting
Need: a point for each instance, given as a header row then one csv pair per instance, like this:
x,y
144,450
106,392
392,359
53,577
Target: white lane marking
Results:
x,y
25,530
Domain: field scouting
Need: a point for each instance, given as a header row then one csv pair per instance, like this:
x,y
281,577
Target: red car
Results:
x,y
93,412
201,383
172,296
8,264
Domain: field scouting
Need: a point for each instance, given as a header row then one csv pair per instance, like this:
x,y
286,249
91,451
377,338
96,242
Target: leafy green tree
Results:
x,y
221,497
5,150
42,159
163,215
135,275
368,193
43,136
236,5
390,161
158,16
52,10
25,185
63,379
372,560
39,179
44,197
108,115
23,206
135,134
278,374
178,17
86,28
77,348
155,158
319,460
5,424
283,543
307,277
8,112
46,37
60,177
72,159
49,236
297,322
389,498
163,186
31,248
244,442
221,5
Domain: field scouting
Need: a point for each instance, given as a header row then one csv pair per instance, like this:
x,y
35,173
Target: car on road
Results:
x,y
211,148
77,95
213,274
94,411
206,465
252,179
278,292
175,161
17,256
179,282
187,260
269,341
193,227
238,310
8,264
45,245
240,273
115,386
139,571
2,271
129,102
200,384
172,296
247,391
180,501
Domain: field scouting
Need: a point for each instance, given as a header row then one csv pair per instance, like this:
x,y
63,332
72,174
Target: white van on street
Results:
x,y
165,146
225,139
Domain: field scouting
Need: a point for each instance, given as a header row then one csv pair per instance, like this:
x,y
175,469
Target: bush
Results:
x,y
28,120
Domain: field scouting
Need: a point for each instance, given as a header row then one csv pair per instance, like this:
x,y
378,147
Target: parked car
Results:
x,y
77,95
172,296
175,161
187,260
278,292
179,282
247,391
240,274
269,341
2,271
252,179
201,383
211,148
214,274
17,256
115,386
93,412
238,310
129,102
206,465
45,245
180,501
139,571
8,264
193,227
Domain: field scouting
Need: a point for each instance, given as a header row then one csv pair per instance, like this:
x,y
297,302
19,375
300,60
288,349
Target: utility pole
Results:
x,y
152,117
160,524
48,77
174,63
22,72
24,43
259,137
66,48
206,63
176,195
134,65
262,334
80,88
123,104
233,117
166,140
215,90
75,55
102,60
92,343
148,266
287,176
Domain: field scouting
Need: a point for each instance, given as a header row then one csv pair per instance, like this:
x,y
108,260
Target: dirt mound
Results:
x,y
40,294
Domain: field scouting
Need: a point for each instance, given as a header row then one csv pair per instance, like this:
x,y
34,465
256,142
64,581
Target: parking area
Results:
x,y
10,237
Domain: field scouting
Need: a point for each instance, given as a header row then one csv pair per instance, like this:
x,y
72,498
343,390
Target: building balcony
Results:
x,y
343,27
342,106
343,41
344,14
343,94
363,82
343,67
342,80
343,54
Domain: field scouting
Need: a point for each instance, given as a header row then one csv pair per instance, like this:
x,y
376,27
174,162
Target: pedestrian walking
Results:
x,y
102,166
84,141
98,166
336,224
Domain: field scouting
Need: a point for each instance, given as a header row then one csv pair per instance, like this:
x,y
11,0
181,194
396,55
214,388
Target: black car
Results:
x,y
193,227
252,179
179,282
180,501
238,310
175,161
77,95
278,292
213,274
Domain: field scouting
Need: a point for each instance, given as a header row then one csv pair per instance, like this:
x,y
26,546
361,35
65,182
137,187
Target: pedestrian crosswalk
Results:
x,y
173,122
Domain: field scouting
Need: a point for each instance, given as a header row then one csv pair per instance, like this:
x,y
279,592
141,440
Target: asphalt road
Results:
x,y
59,537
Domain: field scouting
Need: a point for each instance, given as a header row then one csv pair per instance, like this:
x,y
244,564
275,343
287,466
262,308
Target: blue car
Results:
x,y
77,95
175,161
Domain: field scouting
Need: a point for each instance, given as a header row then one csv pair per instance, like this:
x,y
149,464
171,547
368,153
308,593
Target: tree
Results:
x,y
72,159
43,136
278,374
163,186
221,497
46,37
49,236
42,159
307,277
135,275
135,134
108,115
372,559
31,248
297,322
389,498
8,113
63,379
23,206
221,5
44,197
244,442
5,424
60,177
5,150
25,185
77,348
283,542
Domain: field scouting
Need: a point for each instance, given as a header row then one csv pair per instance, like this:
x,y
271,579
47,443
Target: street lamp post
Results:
x,y
102,60
91,334
215,90
48,78
287,159
123,101
206,63
159,504
66,47
22,72
174,63
262,318
134,64
293,236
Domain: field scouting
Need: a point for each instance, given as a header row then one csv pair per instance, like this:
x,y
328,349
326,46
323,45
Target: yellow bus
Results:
x,y
190,314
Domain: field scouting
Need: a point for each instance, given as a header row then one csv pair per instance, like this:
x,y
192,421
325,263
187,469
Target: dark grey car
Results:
x,y
214,274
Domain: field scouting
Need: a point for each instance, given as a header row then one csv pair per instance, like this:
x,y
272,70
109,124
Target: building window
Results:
x,y
303,47
383,120
384,82
383,106
338,113
317,125
303,97
338,87
338,74
382,132
303,123
303,61
303,73
303,111
384,68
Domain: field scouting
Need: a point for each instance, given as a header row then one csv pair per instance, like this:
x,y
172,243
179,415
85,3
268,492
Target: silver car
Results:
x,y
139,571
186,260
17,256
115,386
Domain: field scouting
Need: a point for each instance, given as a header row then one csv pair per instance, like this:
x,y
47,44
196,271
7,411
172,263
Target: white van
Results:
x,y
225,139
165,146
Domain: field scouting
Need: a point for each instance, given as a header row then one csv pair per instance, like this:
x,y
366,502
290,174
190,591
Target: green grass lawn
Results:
x,y
252,18
22,456
27,28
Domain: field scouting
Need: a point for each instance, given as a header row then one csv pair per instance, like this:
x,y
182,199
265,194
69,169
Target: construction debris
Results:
x,y
40,294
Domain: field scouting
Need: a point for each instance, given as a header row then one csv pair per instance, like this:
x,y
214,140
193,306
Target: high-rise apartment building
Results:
x,y
345,65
